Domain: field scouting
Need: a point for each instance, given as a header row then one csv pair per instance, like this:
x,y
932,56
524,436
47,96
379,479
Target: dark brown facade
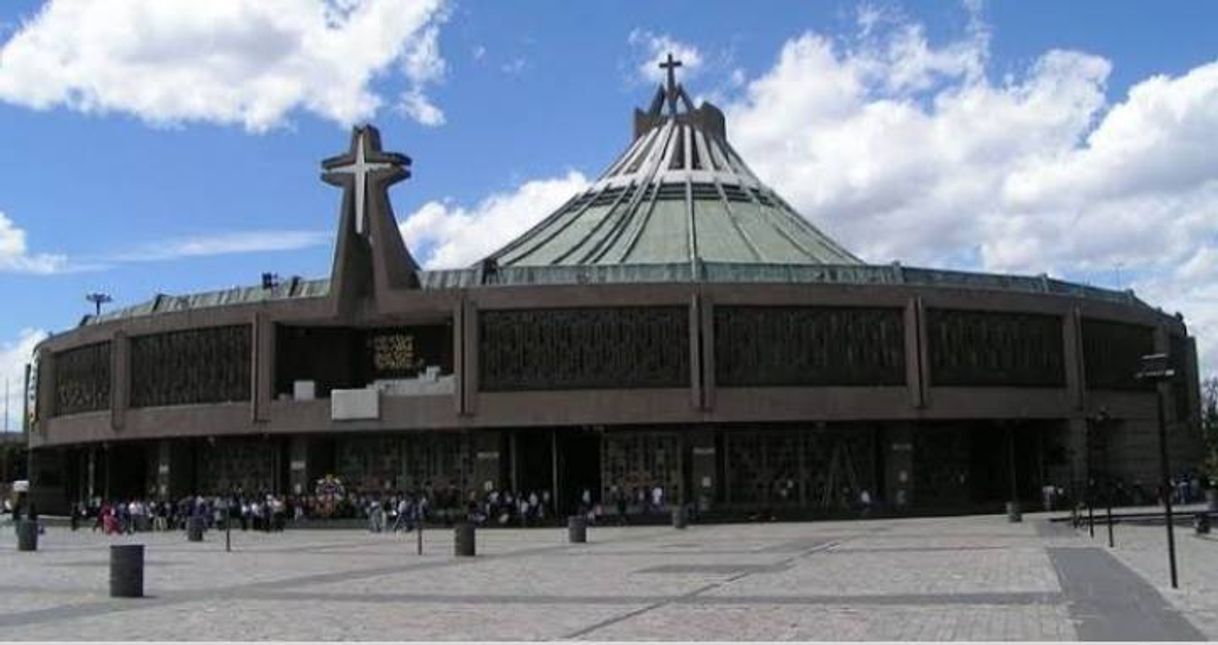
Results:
x,y
730,393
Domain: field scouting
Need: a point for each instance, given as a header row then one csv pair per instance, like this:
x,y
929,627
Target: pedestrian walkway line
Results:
x,y
161,599
1109,602
695,595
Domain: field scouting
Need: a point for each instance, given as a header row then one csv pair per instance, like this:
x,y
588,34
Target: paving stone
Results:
x,y
965,578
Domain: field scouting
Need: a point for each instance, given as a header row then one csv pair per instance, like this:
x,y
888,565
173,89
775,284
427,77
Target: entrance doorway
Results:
x,y
126,470
533,467
579,467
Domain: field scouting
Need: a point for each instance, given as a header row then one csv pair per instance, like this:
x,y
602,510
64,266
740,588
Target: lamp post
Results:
x,y
98,299
1156,369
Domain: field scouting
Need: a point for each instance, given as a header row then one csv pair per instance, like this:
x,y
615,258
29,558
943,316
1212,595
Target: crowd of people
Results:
x,y
124,516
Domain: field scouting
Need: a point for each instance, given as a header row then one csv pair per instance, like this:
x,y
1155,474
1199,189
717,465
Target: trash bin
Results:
x,y
1201,523
127,571
27,535
194,529
463,539
1013,514
679,518
577,529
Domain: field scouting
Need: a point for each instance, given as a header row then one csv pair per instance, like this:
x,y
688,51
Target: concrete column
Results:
x,y
46,385
1072,357
702,468
1076,453
298,462
164,467
488,461
458,328
899,465
262,367
469,357
120,379
695,352
913,354
91,469
923,354
707,324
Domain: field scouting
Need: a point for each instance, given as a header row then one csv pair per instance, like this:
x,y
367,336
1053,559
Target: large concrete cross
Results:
x,y
359,169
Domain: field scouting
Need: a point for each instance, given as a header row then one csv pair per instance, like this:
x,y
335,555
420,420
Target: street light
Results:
x,y
1156,369
98,299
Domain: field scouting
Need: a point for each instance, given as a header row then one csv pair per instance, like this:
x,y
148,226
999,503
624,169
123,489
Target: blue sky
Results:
x,y
127,165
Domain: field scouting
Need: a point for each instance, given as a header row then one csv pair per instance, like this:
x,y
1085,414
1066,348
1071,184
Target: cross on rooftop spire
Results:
x,y
364,163
670,91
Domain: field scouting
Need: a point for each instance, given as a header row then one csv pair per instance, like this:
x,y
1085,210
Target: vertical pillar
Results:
x,y
899,465
702,468
120,379
298,465
925,383
1077,449
458,327
46,385
708,352
91,468
487,467
1072,356
913,355
469,357
695,352
262,367
514,457
164,467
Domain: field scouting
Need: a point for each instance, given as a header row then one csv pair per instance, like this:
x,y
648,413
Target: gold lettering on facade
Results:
x,y
394,353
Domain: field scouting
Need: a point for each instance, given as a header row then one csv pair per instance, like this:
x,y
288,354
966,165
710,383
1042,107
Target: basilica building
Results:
x,y
676,325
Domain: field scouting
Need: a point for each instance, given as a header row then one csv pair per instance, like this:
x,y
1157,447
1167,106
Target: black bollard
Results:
x,y
463,536
1013,512
1201,523
679,519
1090,519
194,528
127,571
577,529
27,535
1111,539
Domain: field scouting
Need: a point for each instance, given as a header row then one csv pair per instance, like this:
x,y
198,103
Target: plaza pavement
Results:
x,y
963,578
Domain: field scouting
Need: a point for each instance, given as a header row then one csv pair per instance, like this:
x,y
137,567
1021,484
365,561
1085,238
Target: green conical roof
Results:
x,y
679,193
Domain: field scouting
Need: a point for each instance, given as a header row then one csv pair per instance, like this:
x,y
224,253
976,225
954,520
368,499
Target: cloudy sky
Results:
x,y
172,145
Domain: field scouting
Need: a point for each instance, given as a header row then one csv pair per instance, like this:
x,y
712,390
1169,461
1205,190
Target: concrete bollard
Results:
x,y
463,540
127,571
194,529
1013,514
577,529
27,535
679,518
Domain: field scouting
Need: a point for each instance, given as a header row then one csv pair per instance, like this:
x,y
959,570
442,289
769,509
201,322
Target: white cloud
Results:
x,y
906,149
650,49
417,106
513,67
16,258
224,244
247,62
14,355
445,235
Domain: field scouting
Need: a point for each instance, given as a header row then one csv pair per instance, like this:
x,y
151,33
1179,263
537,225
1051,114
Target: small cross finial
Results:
x,y
670,65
